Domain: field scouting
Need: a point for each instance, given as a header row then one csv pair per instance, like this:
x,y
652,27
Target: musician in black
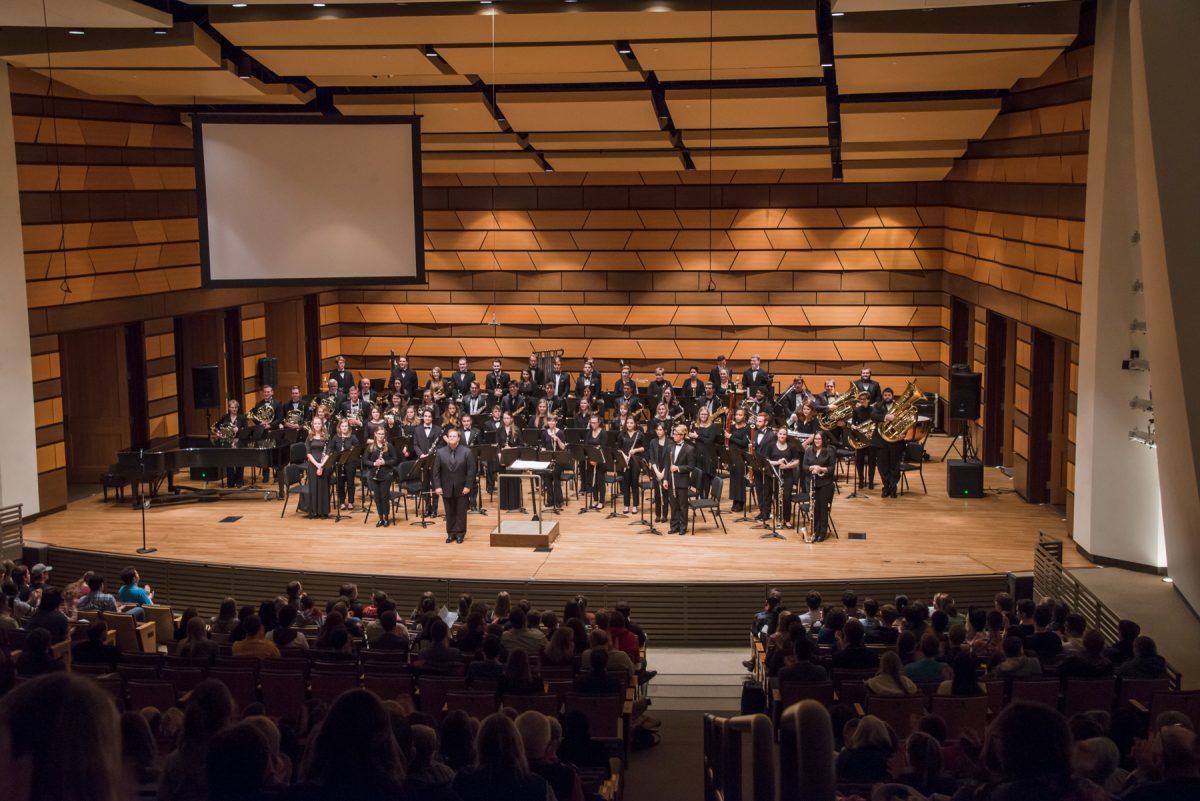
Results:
x,y
318,450
738,438
343,440
406,375
594,469
594,401
453,481
378,459
552,440
617,423
864,458
692,387
224,432
723,386
475,402
491,431
632,442
807,424
761,436
366,394
758,402
659,384
470,436
784,457
332,395
754,375
866,384
887,454
793,399
662,416
627,396
343,377
678,462
440,389
427,438
374,420
674,408
824,399
354,411
626,380
714,375
583,414
296,409
656,453
461,380
554,401
704,435
588,378
561,380
536,374
528,387
819,468
497,381
710,400
268,399
514,402
509,436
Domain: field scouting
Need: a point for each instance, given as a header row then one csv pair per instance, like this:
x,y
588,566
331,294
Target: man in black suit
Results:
x,y
407,376
427,435
332,393
513,401
295,404
497,381
366,394
536,374
760,438
475,402
453,480
341,375
867,385
462,379
588,378
754,376
268,399
823,400
626,380
714,375
561,380
887,454
224,432
354,410
679,459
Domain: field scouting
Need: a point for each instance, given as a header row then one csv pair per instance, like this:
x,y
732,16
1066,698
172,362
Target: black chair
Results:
x,y
712,503
293,484
914,459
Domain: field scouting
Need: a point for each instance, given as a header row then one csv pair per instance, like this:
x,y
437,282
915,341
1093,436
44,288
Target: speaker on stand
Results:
x,y
268,371
965,392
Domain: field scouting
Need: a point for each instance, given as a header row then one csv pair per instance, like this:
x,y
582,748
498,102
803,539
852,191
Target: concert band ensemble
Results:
x,y
444,439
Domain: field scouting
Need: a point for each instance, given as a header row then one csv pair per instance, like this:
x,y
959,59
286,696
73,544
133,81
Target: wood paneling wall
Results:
x,y
1014,228
162,387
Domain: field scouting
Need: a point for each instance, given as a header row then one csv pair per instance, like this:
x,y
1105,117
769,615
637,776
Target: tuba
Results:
x,y
859,436
904,409
263,413
840,410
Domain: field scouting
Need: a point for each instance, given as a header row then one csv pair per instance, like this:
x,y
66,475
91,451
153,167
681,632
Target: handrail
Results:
x,y
1051,579
12,532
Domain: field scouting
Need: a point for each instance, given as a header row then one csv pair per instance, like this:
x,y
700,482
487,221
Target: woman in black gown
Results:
x,y
378,459
819,463
318,478
632,442
344,440
737,438
509,436
704,435
655,453
594,470
783,456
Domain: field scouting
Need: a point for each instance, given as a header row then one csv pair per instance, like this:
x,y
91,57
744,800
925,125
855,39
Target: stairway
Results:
x,y
697,679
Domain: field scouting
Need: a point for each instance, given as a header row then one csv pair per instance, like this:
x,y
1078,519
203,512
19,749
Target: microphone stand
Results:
x,y
145,500
777,505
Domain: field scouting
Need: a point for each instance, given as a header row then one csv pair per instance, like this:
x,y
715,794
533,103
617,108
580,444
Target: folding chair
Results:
x,y
712,503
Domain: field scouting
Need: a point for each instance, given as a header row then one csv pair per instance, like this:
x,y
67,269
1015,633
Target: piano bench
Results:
x,y
114,481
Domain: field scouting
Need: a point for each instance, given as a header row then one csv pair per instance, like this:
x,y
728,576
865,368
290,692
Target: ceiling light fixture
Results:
x,y
624,49
827,64
838,14
318,5
239,5
160,32
430,52
75,32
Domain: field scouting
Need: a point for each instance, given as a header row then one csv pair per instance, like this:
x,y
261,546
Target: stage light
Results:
x,y
1168,580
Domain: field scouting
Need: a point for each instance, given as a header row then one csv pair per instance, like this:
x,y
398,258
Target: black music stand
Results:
x,y
531,437
424,464
562,461
588,454
620,464
648,470
739,460
484,454
347,459
759,465
772,523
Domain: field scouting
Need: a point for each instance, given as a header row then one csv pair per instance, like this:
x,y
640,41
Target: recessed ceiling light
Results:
x,y
239,5
827,64
838,14
75,32
318,5
160,32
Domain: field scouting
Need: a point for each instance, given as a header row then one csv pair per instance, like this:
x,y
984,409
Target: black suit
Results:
x,y
754,378
683,456
345,379
496,381
363,412
592,381
454,475
762,478
467,438
692,388
461,382
234,476
887,454
562,384
870,386
423,442
619,386
476,405
538,376
408,381
714,375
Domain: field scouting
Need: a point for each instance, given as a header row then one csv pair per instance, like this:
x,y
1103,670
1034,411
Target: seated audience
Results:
x,y
536,737
577,747
1074,627
489,668
1043,642
389,635
501,769
1121,651
427,775
1028,747
890,680
964,680
96,599
256,642
209,709
623,639
617,660
7,621
865,757
596,680
226,618
439,656
1177,765
456,739
36,657
131,593
1097,759
1091,663
470,638
49,616
804,669
139,757
560,650
284,635
238,764
989,643
927,668
196,645
1016,664
95,650
923,766
520,637
517,678
851,653
1146,663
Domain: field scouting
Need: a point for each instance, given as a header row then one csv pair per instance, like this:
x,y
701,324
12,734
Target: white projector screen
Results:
x,y
309,200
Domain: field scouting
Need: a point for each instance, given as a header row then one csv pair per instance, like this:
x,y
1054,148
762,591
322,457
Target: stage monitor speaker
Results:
x,y
206,386
268,371
964,478
964,396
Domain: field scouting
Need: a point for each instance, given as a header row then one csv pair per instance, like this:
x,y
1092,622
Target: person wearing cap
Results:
x,y
39,576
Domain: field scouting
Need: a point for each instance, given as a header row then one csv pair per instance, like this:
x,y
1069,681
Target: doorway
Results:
x,y
199,340
999,385
96,417
286,343
1049,380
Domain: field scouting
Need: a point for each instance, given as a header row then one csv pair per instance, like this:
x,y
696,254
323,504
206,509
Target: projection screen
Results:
x,y
309,200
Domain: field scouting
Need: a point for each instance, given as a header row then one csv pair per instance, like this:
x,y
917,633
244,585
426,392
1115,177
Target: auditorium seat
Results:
x,y
897,712
548,704
1084,695
477,704
283,694
961,714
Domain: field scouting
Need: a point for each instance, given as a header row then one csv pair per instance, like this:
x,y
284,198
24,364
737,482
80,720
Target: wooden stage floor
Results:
x,y
915,535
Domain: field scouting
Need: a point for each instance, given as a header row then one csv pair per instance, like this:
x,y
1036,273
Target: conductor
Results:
x,y
453,481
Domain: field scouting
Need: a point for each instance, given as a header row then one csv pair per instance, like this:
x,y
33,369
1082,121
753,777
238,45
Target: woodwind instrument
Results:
x,y
808,532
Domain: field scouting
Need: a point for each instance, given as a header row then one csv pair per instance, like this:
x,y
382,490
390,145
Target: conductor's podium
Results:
x,y
535,533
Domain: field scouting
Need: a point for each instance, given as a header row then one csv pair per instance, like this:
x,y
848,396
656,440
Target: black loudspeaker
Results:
x,y
268,371
1020,585
964,396
206,386
964,479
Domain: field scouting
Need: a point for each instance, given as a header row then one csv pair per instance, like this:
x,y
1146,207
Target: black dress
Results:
x,y
345,474
787,480
510,491
593,475
379,479
706,439
630,478
318,485
655,453
739,440
824,486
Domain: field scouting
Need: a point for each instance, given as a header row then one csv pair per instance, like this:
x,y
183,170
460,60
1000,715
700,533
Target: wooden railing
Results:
x,y
1050,578
12,534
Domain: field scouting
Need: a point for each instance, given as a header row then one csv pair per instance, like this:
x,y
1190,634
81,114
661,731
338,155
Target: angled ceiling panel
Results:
x,y
81,14
486,61
775,159
345,61
941,71
202,86
469,141
860,151
579,111
603,161
601,140
520,161
927,120
896,170
787,107
389,79
440,113
796,52
756,137
186,45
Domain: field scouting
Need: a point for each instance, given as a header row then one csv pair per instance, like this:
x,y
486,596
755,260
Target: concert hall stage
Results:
x,y
913,544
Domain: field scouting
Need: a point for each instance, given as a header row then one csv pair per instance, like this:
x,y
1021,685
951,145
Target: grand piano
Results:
x,y
153,468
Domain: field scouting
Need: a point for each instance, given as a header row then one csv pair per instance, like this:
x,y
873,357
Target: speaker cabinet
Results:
x,y
268,371
964,395
206,386
964,479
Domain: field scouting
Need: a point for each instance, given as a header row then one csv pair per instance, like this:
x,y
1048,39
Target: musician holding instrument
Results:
x,y
496,383
541,414
224,432
560,379
552,440
866,384
353,411
865,462
378,459
594,470
267,413
754,376
674,408
452,417
584,413
536,374
475,401
760,437
340,374
658,385
554,401
632,442
528,388
373,422
627,396
677,465
407,421
656,454
491,431
406,376
887,454
618,421
343,440
820,461
318,449
723,387
399,392
738,438
692,387
509,436
331,397
368,395
794,399
662,415
595,402
513,402
295,411
704,436
714,375
806,424
784,457
461,380
626,380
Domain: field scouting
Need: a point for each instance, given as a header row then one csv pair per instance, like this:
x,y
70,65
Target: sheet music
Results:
x,y
523,464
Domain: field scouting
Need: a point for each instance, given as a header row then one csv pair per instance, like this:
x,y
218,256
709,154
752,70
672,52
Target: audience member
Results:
x,y
501,770
284,634
617,660
1098,760
520,637
209,709
1121,651
923,766
95,650
865,757
890,680
597,680
389,635
1043,642
428,778
197,645
964,679
1028,752
517,678
534,729
49,615
36,657
927,668
139,757
457,740
238,764
96,599
804,669
131,593
1016,664
1173,753
489,668
256,642
439,656
1091,663
1146,663
851,653
226,618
